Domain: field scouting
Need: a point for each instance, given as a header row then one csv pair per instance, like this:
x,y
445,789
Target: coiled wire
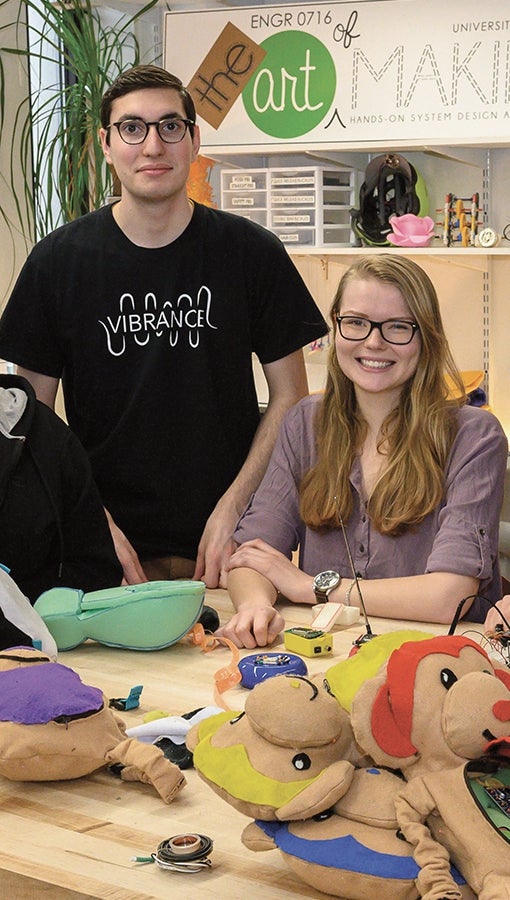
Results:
x,y
184,861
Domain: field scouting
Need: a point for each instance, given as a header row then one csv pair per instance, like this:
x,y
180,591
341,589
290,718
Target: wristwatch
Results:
x,y
324,583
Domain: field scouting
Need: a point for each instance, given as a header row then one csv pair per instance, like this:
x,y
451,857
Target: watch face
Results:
x,y
326,580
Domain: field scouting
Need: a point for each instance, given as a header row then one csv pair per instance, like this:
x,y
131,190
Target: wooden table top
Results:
x,y
76,838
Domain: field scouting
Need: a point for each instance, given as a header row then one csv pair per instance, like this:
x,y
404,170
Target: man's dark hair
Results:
x,y
140,77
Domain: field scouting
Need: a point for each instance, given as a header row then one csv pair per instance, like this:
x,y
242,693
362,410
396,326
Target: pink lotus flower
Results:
x,y
411,230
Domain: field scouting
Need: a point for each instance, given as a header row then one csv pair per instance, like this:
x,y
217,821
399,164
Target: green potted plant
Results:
x,y
55,144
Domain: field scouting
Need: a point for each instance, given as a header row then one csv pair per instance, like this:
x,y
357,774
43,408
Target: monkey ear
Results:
x,y
385,728
374,727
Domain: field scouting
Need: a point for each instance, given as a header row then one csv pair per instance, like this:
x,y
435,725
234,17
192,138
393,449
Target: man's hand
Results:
x,y
254,626
216,546
288,580
126,554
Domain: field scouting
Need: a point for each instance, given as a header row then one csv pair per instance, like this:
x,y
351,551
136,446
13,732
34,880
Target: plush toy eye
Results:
x,y
327,814
301,762
236,718
448,678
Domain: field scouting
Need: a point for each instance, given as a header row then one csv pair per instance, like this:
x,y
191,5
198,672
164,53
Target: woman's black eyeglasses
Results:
x,y
394,331
170,130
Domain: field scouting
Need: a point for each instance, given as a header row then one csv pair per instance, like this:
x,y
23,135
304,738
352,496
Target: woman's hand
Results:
x,y
288,580
253,626
493,617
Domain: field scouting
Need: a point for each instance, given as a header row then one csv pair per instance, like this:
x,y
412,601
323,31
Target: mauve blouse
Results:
x,y
459,536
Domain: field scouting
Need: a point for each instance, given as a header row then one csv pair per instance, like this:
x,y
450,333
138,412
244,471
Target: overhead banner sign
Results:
x,y
325,75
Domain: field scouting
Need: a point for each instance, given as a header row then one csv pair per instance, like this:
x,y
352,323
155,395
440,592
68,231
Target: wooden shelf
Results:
x,y
460,252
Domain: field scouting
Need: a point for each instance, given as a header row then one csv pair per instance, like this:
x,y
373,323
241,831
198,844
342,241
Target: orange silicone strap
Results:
x,y
228,676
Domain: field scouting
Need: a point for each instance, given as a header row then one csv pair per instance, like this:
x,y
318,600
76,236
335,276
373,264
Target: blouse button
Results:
x,y
361,548
482,532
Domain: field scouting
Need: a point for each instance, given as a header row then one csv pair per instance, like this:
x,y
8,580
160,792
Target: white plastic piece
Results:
x,y
18,610
325,615
173,727
487,237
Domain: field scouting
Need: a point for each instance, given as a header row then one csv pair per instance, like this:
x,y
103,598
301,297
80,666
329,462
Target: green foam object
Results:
x,y
135,616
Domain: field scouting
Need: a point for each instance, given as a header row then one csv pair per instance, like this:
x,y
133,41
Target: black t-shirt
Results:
x,y
154,348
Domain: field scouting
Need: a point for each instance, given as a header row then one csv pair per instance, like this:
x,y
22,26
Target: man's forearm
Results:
x,y
255,464
287,384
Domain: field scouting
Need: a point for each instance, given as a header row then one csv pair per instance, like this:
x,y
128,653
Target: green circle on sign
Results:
x,y
294,86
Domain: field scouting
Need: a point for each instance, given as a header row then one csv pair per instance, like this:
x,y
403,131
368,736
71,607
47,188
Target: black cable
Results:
x,y
458,611
496,607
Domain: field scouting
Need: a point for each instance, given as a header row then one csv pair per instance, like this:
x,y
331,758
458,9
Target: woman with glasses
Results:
x,y
383,469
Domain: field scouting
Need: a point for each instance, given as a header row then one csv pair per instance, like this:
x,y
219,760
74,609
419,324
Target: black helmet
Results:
x,y
389,189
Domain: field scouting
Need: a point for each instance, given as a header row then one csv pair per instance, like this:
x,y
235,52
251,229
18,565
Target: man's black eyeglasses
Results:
x,y
394,331
170,130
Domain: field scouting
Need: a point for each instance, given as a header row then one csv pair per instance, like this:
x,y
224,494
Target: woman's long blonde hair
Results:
x,y
417,435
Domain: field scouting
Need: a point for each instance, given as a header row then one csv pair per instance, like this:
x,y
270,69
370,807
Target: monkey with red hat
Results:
x,y
439,711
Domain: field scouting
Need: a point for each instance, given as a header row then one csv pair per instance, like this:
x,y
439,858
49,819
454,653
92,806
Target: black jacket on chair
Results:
x,y
53,529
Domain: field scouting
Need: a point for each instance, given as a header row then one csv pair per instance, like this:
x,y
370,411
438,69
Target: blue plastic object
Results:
x,y
136,616
132,701
260,666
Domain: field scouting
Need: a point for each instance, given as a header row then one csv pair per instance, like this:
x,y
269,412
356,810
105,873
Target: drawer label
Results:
x,y
292,220
293,198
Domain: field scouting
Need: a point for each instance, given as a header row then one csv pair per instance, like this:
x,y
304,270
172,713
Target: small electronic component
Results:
x,y
501,797
260,666
308,641
499,642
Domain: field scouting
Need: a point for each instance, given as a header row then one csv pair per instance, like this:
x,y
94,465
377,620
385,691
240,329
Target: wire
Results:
x,y
192,861
458,611
173,856
498,640
497,646
496,607
369,633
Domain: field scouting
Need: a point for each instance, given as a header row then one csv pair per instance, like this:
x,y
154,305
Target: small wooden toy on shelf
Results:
x,y
460,220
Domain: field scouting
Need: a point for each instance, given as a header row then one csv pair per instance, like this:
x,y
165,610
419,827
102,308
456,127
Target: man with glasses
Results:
x,y
149,311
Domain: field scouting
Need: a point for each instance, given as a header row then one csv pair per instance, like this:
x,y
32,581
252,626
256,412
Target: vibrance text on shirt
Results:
x,y
184,318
